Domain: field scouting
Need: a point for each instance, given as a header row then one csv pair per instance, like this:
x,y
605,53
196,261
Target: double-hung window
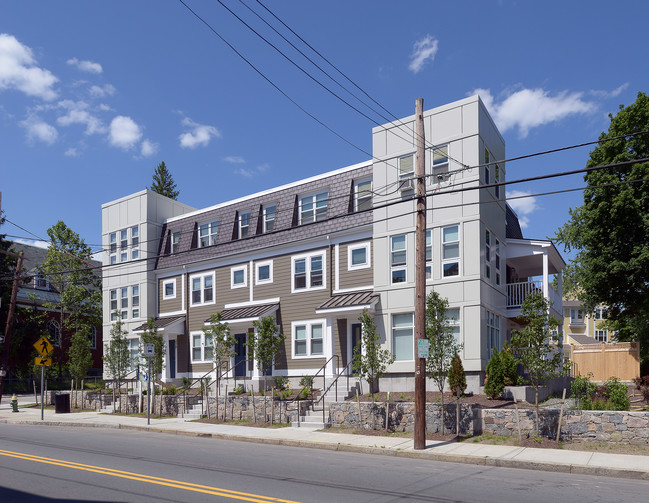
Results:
x,y
440,156
175,241
429,254
113,247
207,233
358,256
600,313
487,171
169,289
363,194
451,251
269,213
403,330
493,332
123,239
133,353
453,317
113,305
202,289
308,271
576,316
135,301
244,224
398,258
601,335
308,338
313,208
406,172
487,254
238,276
202,347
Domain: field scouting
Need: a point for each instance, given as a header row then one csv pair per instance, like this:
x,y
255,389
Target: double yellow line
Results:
x,y
217,491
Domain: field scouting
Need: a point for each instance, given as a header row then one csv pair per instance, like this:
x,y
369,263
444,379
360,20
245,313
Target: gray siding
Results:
x,y
170,305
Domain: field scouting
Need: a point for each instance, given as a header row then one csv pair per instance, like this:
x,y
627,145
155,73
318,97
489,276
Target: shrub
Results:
x,y
306,381
281,382
509,366
457,376
617,394
237,390
305,392
583,390
494,378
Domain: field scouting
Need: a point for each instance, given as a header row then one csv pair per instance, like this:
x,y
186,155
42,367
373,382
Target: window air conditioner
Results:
x,y
406,185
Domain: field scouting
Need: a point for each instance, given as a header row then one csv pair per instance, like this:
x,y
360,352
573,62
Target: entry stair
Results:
x,y
313,416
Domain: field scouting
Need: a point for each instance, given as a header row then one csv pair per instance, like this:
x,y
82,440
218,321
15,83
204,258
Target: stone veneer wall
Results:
x,y
577,425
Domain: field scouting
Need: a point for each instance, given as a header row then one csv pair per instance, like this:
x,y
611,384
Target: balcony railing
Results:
x,y
517,292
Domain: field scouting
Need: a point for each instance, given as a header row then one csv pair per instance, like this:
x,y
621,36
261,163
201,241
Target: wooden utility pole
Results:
x,y
420,280
10,322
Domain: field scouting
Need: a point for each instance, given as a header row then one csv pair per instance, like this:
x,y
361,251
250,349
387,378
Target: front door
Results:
x,y
356,342
240,355
172,359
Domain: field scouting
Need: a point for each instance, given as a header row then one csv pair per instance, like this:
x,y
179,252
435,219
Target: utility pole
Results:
x,y
10,321
420,280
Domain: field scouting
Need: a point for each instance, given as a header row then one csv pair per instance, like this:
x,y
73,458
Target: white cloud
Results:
x,y
85,66
124,132
77,113
423,50
610,94
101,91
39,130
18,70
524,206
235,159
529,108
72,152
252,172
199,134
148,148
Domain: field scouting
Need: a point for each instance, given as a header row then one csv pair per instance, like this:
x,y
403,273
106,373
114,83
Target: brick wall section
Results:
x,y
340,192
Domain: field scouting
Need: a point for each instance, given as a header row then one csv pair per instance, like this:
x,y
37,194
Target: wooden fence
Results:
x,y
607,360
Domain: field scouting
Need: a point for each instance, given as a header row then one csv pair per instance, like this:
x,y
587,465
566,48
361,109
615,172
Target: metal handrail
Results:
x,y
324,382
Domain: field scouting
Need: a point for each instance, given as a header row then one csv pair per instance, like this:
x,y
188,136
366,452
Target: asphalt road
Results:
x,y
49,464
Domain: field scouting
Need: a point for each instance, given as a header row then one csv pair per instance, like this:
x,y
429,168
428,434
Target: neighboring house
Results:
x,y
316,252
37,291
583,327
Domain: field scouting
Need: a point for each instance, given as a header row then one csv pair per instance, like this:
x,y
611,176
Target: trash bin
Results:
x,y
61,403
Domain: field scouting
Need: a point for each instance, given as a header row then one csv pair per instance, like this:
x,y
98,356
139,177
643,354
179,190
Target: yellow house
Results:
x,y
581,327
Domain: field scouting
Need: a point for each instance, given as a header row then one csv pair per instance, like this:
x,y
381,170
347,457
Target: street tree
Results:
x,y
221,344
610,230
265,343
69,270
79,359
442,343
117,357
534,347
369,361
163,182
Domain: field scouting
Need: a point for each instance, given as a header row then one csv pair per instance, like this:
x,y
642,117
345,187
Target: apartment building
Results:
x,y
316,252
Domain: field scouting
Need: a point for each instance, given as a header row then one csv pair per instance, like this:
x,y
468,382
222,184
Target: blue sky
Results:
x,y
93,95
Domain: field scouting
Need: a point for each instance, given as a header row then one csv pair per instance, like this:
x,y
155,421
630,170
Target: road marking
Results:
x,y
187,486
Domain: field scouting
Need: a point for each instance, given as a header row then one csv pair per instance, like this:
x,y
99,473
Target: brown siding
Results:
x,y
232,295
360,277
170,305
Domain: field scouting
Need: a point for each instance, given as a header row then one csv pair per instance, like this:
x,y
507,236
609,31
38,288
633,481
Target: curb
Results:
x,y
423,454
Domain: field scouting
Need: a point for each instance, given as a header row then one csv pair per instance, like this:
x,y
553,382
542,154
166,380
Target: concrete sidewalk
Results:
x,y
555,460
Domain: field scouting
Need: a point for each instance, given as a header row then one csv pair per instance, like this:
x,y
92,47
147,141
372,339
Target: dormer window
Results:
x,y
175,241
269,217
244,224
207,233
40,282
313,208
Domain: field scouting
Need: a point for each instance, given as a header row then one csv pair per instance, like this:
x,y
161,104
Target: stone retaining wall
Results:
x,y
242,407
577,425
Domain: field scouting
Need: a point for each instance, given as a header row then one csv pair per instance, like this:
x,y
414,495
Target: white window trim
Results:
x,y
309,324
457,259
240,225
238,268
202,302
356,184
368,262
191,347
265,220
171,241
432,155
393,328
269,263
164,289
308,257
212,234
403,267
314,202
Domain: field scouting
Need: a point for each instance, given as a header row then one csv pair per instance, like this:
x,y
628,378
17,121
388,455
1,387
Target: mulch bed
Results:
x,y
435,397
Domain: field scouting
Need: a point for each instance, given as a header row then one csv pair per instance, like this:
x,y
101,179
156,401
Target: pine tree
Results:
x,y
456,375
163,182
495,378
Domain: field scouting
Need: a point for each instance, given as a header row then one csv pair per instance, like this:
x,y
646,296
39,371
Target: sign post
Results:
x,y
44,347
149,352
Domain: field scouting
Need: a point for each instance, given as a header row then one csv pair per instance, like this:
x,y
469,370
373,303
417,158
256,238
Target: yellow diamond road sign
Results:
x,y
46,362
44,347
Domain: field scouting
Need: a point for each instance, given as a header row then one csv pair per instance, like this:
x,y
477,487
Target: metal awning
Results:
x,y
246,314
172,324
349,302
